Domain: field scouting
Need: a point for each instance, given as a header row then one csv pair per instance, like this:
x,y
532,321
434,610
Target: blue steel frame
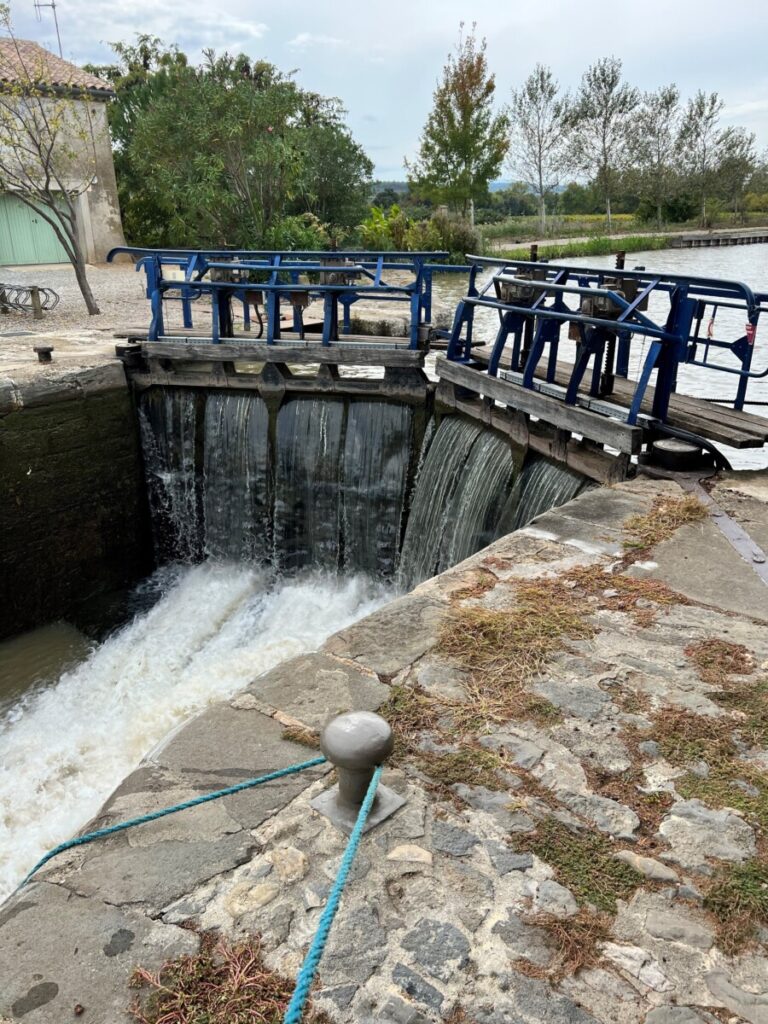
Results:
x,y
535,322
282,274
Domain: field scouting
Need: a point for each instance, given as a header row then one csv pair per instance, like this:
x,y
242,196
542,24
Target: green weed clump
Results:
x,y
471,765
738,898
686,740
583,862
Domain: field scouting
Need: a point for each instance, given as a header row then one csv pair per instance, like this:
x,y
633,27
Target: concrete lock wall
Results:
x,y
74,526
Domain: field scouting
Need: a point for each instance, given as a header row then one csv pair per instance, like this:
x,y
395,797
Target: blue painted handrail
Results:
x,y
529,299
248,276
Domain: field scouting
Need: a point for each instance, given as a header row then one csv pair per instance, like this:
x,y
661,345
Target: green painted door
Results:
x,y
25,236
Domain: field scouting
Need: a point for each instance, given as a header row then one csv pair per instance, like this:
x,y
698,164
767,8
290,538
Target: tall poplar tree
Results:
x,y
464,141
540,124
601,126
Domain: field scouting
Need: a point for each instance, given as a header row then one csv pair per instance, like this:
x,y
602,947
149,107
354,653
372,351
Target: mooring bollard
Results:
x,y
356,743
43,353
37,306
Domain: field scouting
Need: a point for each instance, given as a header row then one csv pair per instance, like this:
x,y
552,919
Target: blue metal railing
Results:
x,y
272,279
608,310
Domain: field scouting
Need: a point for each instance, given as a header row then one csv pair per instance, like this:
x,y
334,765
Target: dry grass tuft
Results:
x,y
715,660
482,580
666,515
510,648
305,737
577,942
224,983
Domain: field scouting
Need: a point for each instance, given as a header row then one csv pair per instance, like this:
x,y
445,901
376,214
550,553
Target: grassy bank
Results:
x,y
590,247
523,229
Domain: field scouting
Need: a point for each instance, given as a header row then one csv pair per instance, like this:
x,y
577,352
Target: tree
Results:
x,y
232,152
700,144
600,122
464,142
336,179
47,152
655,149
538,148
736,165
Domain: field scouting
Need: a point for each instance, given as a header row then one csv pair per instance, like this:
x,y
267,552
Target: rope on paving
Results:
x,y
102,832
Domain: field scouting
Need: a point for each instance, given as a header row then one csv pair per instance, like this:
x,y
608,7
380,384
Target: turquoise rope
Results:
x,y
307,973
100,833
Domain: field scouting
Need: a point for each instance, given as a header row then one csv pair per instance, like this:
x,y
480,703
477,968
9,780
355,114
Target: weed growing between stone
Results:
x,y
738,898
577,941
584,862
712,750
666,515
471,765
716,660
224,983
626,788
508,649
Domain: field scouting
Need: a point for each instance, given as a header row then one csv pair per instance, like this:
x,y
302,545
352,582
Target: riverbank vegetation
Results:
x,y
233,153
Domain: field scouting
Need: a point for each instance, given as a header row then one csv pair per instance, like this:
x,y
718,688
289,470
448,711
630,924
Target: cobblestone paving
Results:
x,y
572,871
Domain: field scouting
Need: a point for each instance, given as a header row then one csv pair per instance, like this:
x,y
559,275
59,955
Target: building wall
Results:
x,y
100,206
84,162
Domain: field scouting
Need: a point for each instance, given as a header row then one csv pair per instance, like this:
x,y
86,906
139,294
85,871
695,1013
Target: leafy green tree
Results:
x,y
336,172
736,166
701,142
229,153
464,142
655,149
540,119
601,124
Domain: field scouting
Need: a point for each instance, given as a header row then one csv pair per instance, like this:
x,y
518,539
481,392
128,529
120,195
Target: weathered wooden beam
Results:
x,y
343,353
580,456
265,385
621,436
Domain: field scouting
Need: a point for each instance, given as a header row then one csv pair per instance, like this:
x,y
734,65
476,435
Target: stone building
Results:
x,y
31,75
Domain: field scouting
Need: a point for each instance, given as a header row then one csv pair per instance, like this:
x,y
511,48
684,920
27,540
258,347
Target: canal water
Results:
x,y
746,263
89,712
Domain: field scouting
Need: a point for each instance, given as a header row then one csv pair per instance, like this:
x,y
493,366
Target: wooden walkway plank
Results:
x,y
718,423
596,427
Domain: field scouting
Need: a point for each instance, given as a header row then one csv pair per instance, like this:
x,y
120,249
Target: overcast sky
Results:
x,y
383,58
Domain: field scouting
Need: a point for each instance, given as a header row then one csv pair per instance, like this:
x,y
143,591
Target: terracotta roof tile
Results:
x,y
22,59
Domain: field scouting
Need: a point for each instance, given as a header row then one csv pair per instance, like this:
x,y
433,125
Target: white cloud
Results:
x,y
307,40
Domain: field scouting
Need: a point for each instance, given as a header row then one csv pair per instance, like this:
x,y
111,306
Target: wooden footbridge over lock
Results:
x,y
585,411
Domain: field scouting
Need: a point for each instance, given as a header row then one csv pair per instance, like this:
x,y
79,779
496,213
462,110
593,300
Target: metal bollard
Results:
x,y
37,306
356,743
43,353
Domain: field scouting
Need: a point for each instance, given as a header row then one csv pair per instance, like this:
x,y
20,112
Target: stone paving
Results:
x,y
454,910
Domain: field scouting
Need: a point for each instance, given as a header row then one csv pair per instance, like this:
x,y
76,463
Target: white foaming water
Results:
x,y
64,748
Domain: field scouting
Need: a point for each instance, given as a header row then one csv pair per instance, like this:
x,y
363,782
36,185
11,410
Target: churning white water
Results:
x,y
64,747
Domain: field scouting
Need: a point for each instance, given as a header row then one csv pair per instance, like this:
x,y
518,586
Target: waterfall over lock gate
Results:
x,y
328,482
